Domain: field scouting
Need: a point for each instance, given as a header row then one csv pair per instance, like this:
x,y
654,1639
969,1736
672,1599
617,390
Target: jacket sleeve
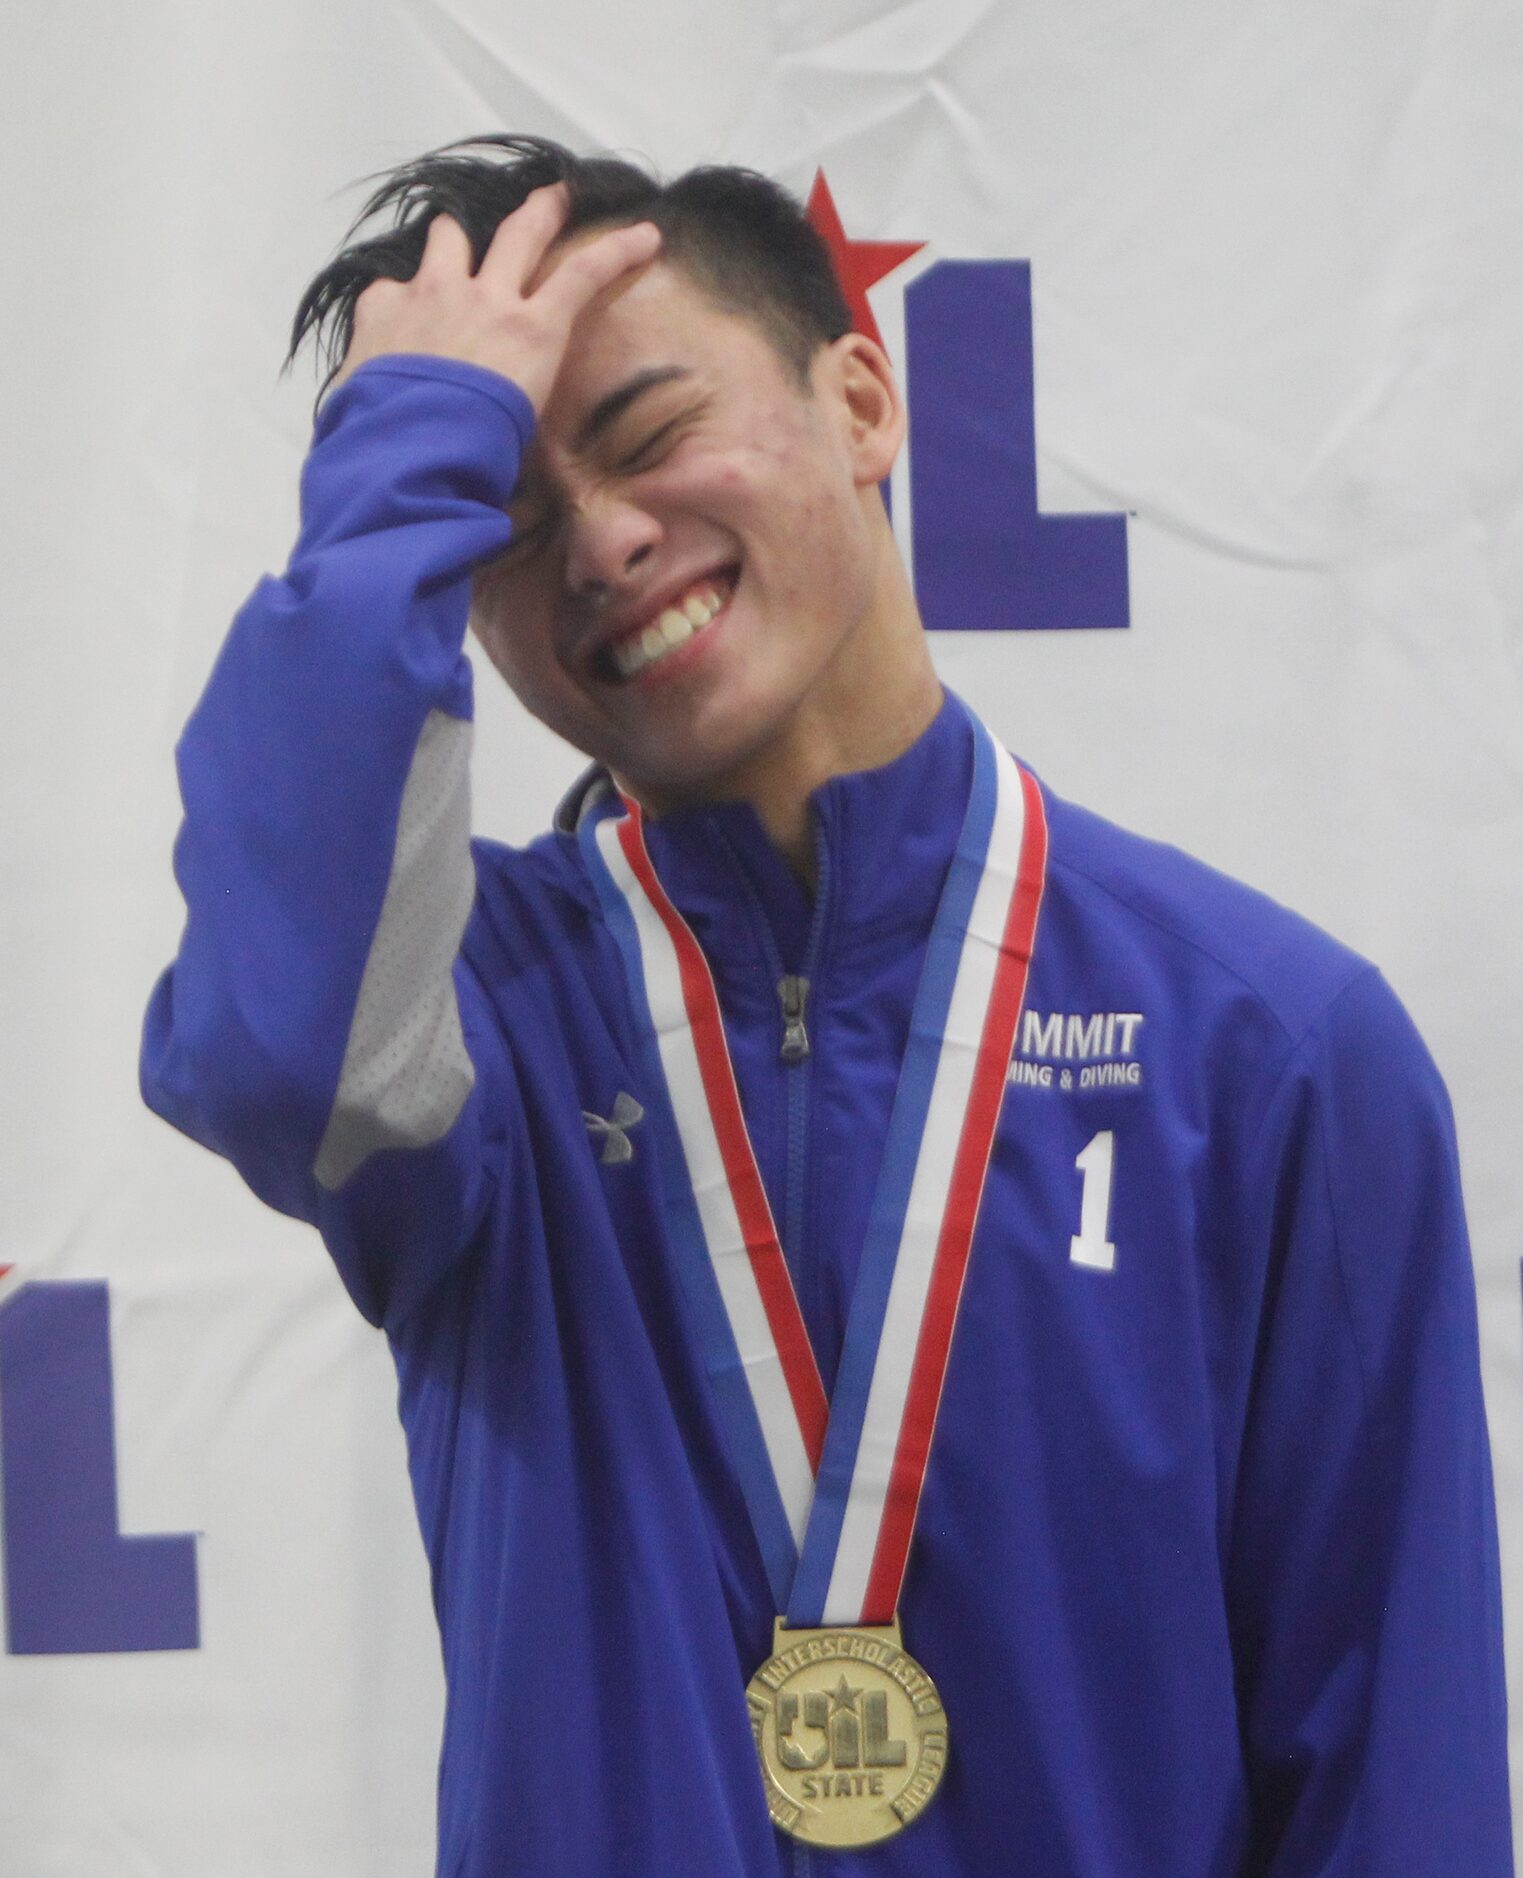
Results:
x,y
1363,1573
318,1027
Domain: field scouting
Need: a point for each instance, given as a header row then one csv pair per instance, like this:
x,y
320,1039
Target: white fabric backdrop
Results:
x,y
1278,287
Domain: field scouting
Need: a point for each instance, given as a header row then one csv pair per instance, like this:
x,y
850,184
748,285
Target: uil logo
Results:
x,y
964,499
852,1726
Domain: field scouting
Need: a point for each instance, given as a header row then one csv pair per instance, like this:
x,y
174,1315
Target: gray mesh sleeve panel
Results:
x,y
406,1072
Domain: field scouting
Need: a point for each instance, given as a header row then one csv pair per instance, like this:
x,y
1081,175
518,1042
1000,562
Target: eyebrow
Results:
x,y
613,404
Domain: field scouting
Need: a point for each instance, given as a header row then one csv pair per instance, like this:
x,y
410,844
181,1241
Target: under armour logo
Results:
x,y
615,1131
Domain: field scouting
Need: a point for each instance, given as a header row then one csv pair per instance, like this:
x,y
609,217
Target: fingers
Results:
x,y
520,259
446,248
515,316
586,269
524,238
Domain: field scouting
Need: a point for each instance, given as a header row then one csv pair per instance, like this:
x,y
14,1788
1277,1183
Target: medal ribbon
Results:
x,y
833,1491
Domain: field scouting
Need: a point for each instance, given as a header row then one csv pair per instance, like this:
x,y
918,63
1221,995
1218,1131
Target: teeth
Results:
x,y
673,627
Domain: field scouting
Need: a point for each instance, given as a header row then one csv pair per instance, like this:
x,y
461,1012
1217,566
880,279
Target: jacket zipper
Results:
x,y
795,1183
795,1051
793,990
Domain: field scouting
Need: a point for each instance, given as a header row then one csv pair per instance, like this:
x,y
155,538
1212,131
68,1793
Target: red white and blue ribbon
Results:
x,y
833,1490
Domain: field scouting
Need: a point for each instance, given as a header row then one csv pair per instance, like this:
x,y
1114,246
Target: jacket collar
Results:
x,y
884,838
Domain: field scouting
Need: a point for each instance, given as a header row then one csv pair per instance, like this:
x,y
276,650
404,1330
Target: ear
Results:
x,y
870,404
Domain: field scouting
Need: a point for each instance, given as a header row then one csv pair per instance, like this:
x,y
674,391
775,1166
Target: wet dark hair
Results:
x,y
737,234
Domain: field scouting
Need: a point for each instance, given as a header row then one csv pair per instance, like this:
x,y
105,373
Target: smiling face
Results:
x,y
703,580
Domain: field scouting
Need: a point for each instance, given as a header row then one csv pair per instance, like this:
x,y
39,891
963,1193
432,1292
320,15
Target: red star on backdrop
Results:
x,y
858,264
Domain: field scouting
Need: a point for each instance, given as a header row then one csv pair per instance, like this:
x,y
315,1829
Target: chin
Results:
x,y
717,758
660,781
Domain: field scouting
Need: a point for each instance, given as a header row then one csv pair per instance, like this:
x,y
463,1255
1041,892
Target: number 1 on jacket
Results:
x,y
1090,1246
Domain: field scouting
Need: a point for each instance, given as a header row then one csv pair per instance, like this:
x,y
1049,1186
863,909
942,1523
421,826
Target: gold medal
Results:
x,y
850,1732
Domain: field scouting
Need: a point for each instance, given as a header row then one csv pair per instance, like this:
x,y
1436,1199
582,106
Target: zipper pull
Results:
x,y
794,993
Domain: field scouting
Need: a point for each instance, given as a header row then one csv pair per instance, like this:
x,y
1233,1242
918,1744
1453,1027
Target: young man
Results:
x,y
671,1151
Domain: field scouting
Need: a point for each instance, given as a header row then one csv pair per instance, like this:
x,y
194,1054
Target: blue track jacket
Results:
x,y
1206,1567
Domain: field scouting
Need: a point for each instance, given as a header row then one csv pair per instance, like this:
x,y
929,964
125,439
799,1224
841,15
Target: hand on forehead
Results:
x,y
512,314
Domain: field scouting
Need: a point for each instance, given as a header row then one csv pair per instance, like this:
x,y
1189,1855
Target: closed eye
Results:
x,y
653,447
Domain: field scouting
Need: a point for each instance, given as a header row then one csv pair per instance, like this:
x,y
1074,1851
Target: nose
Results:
x,y
607,539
